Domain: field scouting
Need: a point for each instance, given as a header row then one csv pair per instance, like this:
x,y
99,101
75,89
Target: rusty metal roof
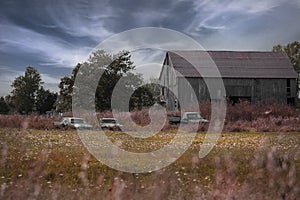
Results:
x,y
231,64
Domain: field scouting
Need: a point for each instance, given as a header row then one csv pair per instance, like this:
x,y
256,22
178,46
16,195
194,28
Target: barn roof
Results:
x,y
231,64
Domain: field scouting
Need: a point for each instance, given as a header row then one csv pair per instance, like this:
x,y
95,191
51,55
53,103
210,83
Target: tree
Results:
x,y
25,90
114,68
64,100
278,48
4,108
45,100
145,96
293,52
10,102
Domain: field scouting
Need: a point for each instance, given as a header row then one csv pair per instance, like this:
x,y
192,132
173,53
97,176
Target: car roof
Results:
x,y
192,113
72,118
109,118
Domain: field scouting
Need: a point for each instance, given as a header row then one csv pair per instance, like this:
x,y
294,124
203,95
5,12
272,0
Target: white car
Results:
x,y
74,122
193,117
188,118
110,123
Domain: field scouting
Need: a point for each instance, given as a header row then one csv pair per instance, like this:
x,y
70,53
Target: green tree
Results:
x,y
145,96
10,102
25,90
113,68
4,108
45,100
64,99
293,52
278,48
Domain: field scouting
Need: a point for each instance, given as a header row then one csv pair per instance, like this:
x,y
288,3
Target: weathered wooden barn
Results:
x,y
266,77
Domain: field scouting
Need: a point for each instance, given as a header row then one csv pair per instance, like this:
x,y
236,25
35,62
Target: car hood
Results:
x,y
198,120
83,126
110,124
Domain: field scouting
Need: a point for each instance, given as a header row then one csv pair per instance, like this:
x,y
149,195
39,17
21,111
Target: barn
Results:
x,y
266,77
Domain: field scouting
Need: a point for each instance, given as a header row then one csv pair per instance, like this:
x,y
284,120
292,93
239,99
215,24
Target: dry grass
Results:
x,y
53,164
242,117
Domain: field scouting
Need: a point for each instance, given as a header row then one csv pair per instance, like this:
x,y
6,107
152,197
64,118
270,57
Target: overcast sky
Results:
x,y
54,35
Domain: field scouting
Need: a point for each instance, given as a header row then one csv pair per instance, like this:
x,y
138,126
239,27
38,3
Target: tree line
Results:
x,y
29,96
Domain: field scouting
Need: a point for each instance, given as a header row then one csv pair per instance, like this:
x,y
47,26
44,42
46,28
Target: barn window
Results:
x,y
288,87
290,99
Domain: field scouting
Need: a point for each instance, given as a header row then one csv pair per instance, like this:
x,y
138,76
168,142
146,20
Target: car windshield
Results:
x,y
193,116
111,121
77,121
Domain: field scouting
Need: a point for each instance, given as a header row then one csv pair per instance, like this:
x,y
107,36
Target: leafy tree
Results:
x,y
278,48
10,102
293,52
142,97
115,67
64,100
145,96
28,94
25,90
155,88
45,100
4,108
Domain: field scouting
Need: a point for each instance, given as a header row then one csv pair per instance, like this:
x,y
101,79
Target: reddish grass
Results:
x,y
242,117
24,121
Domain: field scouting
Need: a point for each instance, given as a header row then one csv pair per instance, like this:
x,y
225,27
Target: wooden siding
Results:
x,y
169,83
258,90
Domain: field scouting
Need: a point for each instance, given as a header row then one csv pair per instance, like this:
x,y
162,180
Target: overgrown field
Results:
x,y
242,117
53,164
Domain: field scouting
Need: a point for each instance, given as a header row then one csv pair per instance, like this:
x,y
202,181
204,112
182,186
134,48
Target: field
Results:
x,y
54,164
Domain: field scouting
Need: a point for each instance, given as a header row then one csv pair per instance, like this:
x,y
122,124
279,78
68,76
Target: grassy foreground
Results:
x,y
37,164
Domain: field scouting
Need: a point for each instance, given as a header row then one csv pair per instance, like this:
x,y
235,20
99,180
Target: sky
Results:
x,y
54,35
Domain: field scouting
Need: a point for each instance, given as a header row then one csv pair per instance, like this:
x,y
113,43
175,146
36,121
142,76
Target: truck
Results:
x,y
187,118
